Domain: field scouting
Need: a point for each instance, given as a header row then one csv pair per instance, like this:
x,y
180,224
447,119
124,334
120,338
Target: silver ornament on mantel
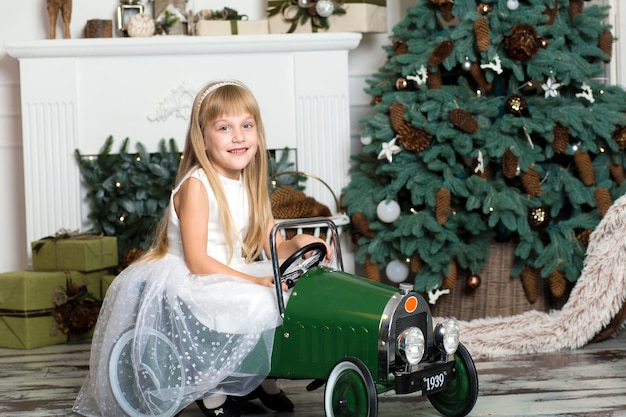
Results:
x,y
305,3
324,8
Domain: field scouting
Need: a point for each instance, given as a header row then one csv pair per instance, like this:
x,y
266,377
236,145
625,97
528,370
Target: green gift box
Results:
x,y
26,304
106,283
83,254
28,331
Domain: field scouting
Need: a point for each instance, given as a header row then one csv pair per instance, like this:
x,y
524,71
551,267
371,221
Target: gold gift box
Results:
x,y
364,16
231,27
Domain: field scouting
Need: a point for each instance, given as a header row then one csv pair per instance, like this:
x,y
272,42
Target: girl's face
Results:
x,y
231,142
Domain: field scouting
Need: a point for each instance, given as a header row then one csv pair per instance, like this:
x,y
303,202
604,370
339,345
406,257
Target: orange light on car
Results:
x,y
410,304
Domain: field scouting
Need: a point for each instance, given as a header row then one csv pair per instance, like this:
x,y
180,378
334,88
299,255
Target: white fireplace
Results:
x,y
77,92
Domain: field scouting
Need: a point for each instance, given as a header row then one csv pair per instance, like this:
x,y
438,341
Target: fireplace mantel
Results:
x,y
183,45
77,92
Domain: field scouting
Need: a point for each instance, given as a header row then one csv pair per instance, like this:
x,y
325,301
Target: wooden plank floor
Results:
x,y
590,381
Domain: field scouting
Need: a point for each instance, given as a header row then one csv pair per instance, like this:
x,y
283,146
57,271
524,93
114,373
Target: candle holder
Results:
x,y
125,11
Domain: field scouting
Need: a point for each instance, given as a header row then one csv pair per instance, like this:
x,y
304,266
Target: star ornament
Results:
x,y
551,88
389,150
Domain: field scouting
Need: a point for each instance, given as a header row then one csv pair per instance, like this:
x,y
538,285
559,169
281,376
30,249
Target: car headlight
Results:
x,y
410,345
447,336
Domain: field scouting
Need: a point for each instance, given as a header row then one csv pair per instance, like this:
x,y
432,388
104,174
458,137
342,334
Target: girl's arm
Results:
x,y
191,203
287,247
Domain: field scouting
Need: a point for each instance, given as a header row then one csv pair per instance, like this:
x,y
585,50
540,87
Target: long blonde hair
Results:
x,y
213,101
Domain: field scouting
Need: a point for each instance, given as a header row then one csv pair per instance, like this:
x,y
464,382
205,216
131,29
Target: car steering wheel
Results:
x,y
289,273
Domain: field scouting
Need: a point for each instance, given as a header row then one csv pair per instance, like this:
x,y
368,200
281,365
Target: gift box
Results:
x,y
83,253
29,331
27,303
231,27
365,16
106,283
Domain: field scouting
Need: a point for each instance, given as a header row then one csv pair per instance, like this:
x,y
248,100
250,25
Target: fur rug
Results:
x,y
595,300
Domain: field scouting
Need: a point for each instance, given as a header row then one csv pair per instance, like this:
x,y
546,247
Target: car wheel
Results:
x,y
151,385
460,396
350,390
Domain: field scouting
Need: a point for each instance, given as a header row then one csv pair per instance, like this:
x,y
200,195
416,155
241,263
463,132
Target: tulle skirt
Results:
x,y
165,338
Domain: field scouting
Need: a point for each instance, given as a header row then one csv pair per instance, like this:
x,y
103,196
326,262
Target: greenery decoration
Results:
x,y
129,192
503,106
301,12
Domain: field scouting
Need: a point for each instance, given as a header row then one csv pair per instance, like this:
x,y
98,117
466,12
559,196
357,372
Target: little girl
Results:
x,y
197,295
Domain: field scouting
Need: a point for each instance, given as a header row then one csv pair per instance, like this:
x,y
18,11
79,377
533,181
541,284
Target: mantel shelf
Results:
x,y
182,45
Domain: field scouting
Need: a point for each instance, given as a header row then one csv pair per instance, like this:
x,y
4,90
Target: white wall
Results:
x,y
28,21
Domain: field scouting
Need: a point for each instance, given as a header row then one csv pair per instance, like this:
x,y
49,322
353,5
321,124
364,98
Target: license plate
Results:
x,y
434,382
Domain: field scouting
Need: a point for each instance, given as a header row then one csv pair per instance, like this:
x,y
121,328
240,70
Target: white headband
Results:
x,y
215,87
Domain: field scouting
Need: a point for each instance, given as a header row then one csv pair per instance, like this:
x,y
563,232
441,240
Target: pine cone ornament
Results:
x,y
583,237
605,43
409,137
618,173
603,200
523,43
440,53
558,283
131,256
435,80
619,136
464,121
509,164
561,138
531,183
551,13
582,160
361,224
478,75
416,263
530,283
446,8
449,281
372,271
442,205
575,8
400,48
481,32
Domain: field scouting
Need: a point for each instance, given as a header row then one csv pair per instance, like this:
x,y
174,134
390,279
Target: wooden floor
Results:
x,y
587,382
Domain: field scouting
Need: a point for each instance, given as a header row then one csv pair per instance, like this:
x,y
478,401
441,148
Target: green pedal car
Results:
x,y
356,337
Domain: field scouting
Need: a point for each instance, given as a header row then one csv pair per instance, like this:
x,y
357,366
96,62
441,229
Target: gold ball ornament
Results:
x,y
538,217
472,282
402,84
484,8
516,105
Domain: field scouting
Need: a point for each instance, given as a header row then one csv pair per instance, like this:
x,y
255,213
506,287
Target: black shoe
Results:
x,y
276,402
228,409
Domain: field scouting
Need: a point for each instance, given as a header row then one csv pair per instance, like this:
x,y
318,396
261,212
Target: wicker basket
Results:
x,y
499,294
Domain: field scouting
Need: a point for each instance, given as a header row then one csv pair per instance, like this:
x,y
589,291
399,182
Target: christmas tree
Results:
x,y
492,123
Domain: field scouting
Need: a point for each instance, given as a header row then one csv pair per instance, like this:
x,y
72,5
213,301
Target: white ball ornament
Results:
x,y
140,25
366,139
512,4
388,211
324,8
397,271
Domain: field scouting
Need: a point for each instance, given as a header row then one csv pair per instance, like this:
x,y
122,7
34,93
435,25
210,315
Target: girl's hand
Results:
x,y
268,281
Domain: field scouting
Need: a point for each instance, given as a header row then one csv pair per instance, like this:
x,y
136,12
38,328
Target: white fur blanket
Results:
x,y
596,298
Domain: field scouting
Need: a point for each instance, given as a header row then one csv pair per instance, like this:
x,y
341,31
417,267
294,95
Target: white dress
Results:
x,y
166,337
